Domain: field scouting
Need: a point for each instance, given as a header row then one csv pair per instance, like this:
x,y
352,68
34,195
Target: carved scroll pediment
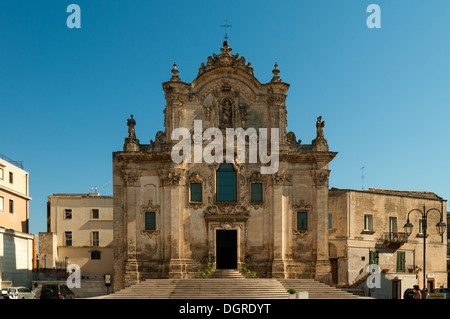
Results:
x,y
256,177
150,206
226,210
195,178
301,205
225,59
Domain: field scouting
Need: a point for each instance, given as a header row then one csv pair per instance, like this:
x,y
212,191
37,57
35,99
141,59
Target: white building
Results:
x,y
16,244
79,231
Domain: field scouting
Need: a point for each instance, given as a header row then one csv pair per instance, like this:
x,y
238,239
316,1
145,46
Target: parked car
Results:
x,y
19,293
408,294
4,294
445,291
54,291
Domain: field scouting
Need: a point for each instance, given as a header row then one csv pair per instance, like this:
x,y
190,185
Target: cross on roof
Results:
x,y
226,25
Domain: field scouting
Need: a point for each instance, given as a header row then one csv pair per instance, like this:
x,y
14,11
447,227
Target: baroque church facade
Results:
x,y
173,220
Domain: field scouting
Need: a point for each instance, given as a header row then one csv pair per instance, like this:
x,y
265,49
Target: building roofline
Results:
x,y
17,164
84,195
391,192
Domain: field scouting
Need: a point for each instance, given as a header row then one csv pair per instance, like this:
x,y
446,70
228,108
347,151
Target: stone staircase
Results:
x,y
318,290
227,284
225,273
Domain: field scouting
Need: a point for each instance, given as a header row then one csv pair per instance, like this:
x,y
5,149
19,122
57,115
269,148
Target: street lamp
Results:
x,y
440,228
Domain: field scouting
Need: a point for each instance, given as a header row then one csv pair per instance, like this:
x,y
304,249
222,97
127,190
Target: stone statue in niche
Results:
x,y
227,113
210,107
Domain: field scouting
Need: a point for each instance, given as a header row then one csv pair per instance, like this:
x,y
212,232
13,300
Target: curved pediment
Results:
x,y
223,68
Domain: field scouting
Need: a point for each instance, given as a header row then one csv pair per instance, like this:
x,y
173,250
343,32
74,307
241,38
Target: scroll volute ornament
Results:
x,y
130,177
321,178
171,177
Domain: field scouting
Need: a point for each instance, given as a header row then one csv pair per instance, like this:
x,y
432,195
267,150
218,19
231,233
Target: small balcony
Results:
x,y
395,238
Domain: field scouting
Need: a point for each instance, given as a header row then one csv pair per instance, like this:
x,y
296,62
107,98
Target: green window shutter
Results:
x,y
401,261
373,257
256,192
330,221
150,221
196,192
226,183
302,221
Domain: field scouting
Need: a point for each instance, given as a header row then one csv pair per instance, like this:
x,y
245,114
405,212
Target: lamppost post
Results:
x,y
440,227
424,230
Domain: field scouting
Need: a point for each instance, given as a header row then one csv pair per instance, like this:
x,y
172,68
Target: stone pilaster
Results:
x,y
131,181
131,276
172,181
281,182
323,267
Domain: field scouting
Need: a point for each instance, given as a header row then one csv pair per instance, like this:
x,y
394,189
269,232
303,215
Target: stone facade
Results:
x,y
367,227
225,94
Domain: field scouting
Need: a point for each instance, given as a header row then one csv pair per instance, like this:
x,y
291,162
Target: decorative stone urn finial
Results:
x,y
175,71
276,71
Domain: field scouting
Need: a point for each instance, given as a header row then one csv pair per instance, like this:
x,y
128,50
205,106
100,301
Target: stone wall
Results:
x,y
16,257
353,243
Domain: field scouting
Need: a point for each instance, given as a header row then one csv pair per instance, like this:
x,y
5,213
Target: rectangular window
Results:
x,y
68,214
401,261
95,214
150,221
95,254
95,238
68,238
11,206
421,227
2,203
330,221
368,222
11,177
1,173
302,221
393,224
256,192
196,192
226,188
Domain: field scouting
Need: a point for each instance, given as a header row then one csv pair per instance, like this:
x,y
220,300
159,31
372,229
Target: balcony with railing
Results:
x,y
395,238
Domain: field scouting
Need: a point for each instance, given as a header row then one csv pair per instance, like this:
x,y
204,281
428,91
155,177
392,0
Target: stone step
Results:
x,y
228,288
317,290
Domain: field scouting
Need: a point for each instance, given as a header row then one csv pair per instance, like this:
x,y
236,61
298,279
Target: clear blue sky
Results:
x,y
65,94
